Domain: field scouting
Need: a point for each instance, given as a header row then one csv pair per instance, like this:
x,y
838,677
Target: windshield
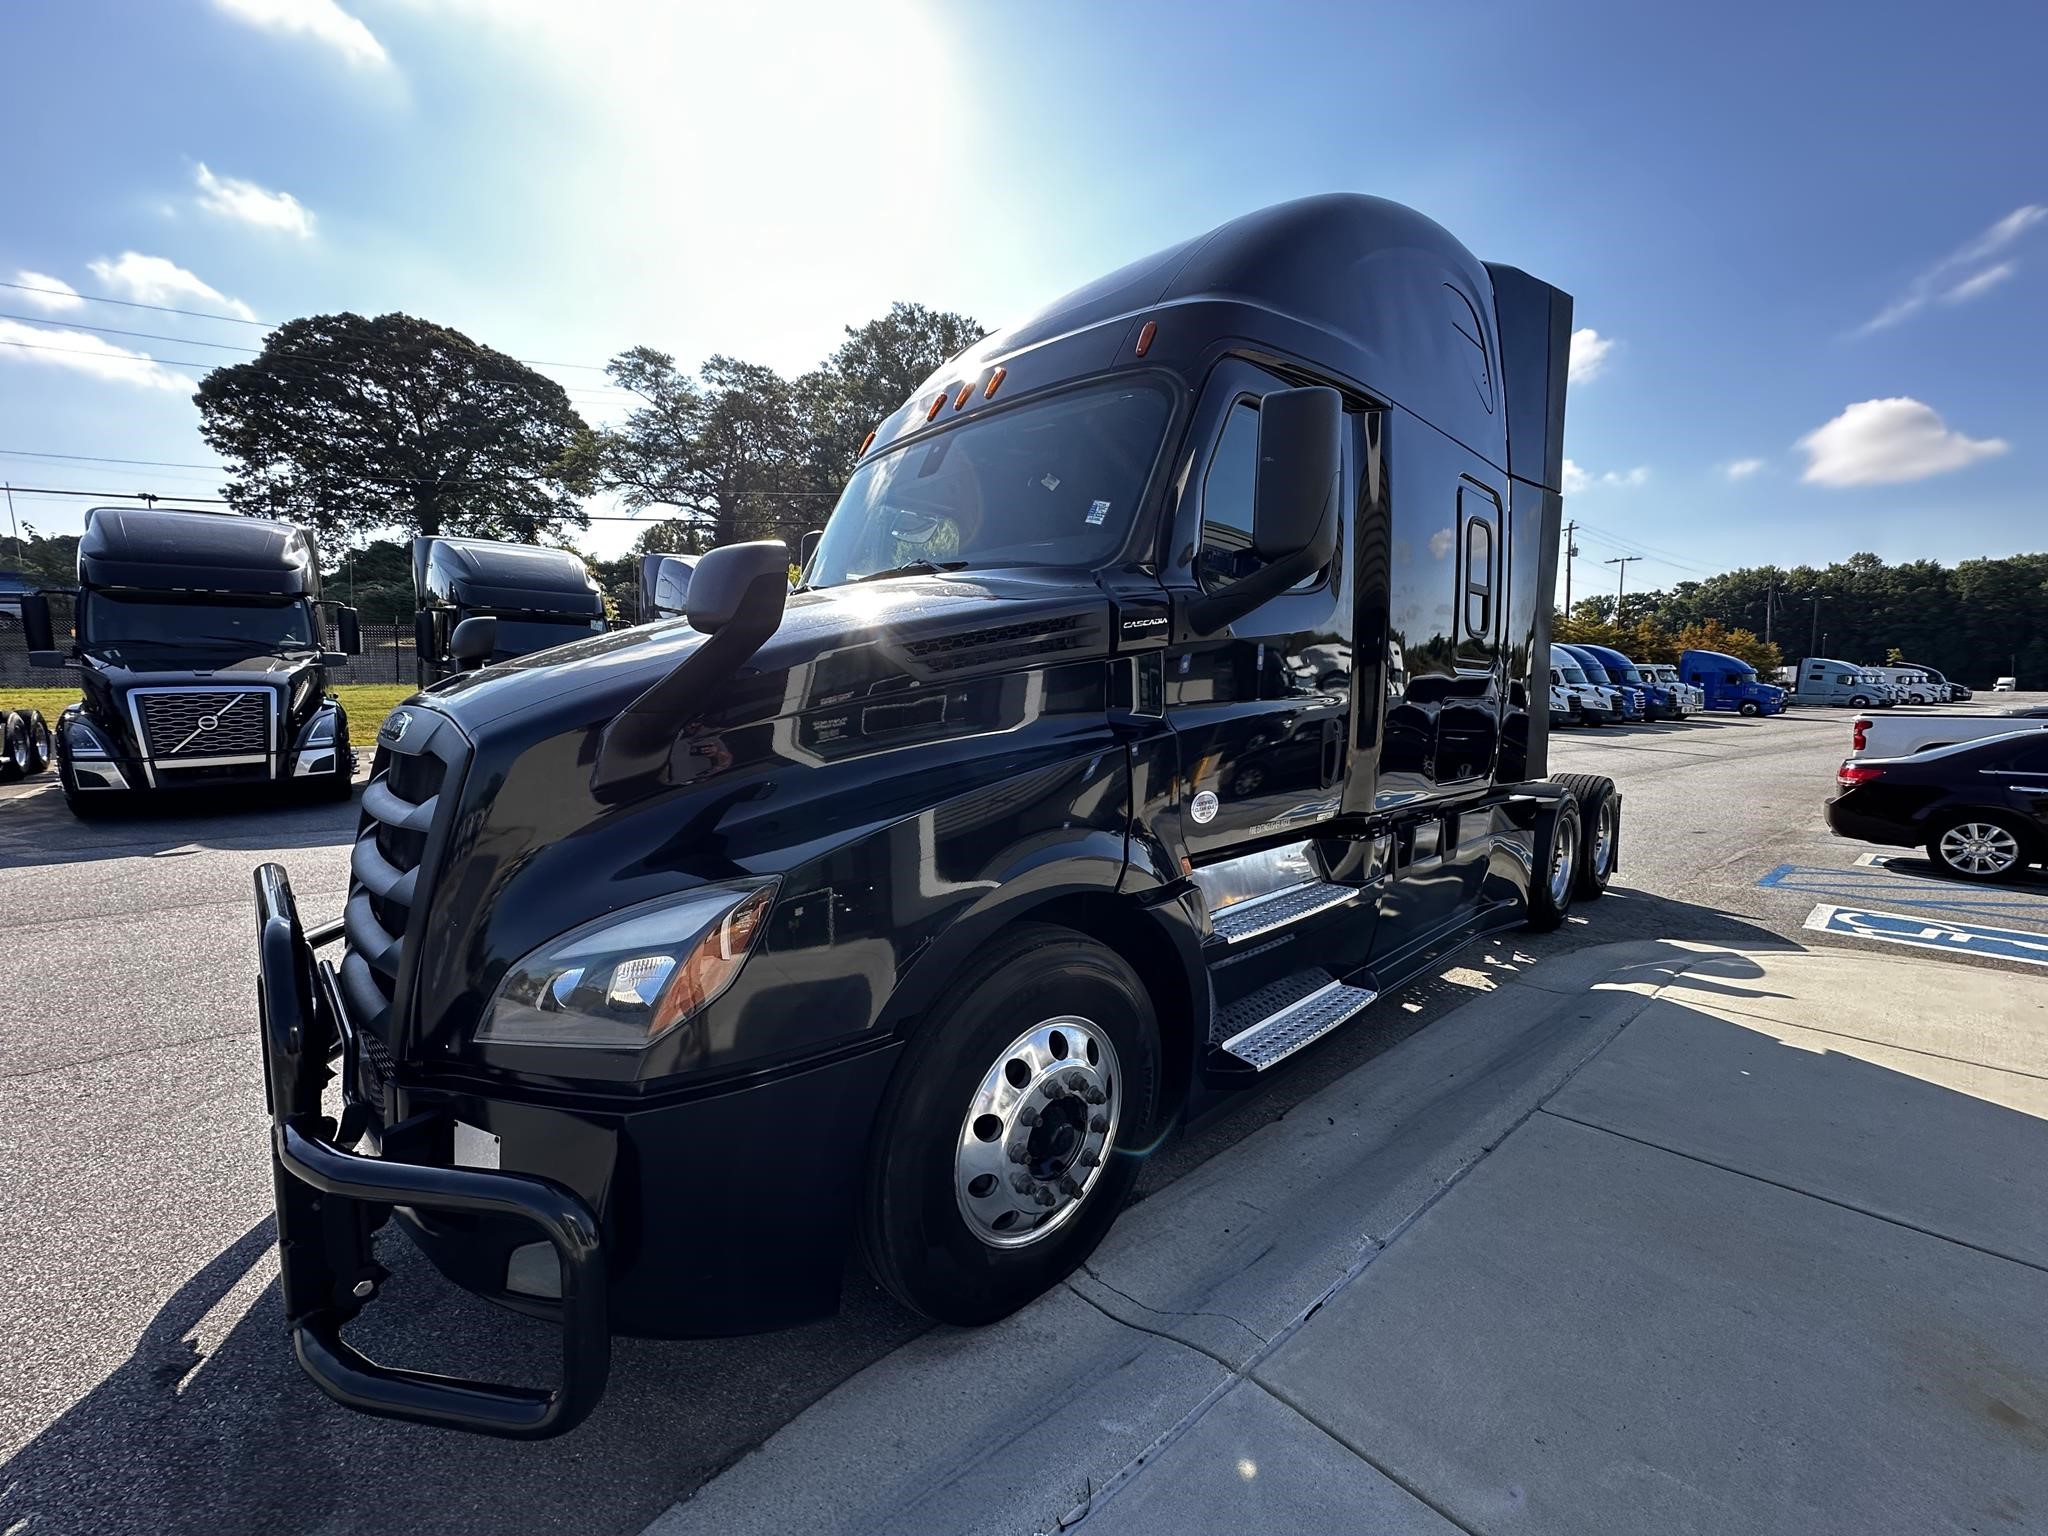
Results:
x,y
1571,672
1630,675
1055,483
114,624
522,637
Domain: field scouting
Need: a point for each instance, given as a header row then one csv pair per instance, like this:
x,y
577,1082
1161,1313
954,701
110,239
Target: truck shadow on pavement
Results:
x,y
209,1426
37,831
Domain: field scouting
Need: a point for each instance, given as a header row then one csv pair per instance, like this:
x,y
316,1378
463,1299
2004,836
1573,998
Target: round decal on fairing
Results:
x,y
1204,808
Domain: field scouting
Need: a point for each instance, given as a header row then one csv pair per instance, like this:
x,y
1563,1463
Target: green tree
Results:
x,y
347,425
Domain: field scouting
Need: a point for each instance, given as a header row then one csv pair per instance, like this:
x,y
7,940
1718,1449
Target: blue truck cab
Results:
x,y
1634,701
1730,683
1659,702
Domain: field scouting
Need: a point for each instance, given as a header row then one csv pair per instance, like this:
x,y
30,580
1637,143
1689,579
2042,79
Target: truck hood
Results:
x,y
798,752
106,684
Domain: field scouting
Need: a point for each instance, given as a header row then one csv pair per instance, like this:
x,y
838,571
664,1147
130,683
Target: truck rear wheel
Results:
x,y
1556,877
14,748
1599,830
1014,1127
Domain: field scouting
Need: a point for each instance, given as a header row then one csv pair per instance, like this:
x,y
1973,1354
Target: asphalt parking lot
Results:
x,y
149,1383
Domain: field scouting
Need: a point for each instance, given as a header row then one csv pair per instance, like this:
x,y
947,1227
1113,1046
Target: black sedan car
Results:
x,y
1980,809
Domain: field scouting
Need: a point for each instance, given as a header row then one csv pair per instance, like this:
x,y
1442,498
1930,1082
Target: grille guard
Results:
x,y
330,1202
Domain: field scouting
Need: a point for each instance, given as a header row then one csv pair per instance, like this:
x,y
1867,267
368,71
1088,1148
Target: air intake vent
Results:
x,y
1004,644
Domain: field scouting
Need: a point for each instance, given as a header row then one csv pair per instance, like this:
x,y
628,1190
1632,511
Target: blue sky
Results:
x,y
1810,243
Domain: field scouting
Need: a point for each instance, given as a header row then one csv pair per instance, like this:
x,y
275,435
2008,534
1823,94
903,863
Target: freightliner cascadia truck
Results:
x,y
1169,683
524,597
198,647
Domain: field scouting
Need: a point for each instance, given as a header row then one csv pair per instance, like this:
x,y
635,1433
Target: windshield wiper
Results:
x,y
916,568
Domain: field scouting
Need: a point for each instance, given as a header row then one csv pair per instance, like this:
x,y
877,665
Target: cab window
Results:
x,y
1228,490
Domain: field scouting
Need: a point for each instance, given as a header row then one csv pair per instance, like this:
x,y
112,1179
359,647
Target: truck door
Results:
x,y
1262,710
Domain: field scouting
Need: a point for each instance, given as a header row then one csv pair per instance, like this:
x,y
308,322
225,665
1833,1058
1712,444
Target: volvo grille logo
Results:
x,y
208,722
394,728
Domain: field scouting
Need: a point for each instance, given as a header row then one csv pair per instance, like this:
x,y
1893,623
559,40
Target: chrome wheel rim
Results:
x,y
1038,1132
1603,838
19,752
1564,854
1979,848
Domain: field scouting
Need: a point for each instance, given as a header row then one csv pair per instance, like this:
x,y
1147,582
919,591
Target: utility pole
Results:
x,y
1570,548
1813,633
1620,580
1770,596
20,554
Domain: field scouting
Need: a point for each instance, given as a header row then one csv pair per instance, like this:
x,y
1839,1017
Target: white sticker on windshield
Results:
x,y
1098,512
1051,482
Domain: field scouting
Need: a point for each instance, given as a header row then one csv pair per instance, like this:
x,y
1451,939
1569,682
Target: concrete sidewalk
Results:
x,y
1651,1238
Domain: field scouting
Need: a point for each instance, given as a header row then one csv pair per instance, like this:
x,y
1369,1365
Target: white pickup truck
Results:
x,y
1903,735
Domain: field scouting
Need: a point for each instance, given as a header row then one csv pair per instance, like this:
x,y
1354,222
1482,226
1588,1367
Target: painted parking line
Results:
x,y
1921,888
1921,932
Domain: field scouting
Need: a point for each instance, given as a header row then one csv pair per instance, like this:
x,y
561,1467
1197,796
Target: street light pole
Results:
x,y
1620,580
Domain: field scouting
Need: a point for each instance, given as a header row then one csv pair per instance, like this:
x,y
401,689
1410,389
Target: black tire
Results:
x,y
913,1232
2024,848
41,748
1749,707
1859,701
14,748
1558,842
1599,831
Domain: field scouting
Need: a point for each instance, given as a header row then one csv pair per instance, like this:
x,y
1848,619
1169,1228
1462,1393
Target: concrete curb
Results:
x,y
1026,1424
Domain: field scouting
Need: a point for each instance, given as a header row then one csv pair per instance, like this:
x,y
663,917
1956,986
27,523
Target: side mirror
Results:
x,y
743,586
808,548
35,623
350,630
423,636
1295,509
474,639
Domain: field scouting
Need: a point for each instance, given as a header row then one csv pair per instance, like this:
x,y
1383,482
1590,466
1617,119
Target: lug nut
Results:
x,y
1068,1186
1045,1196
1022,1182
1099,1124
1096,1096
1090,1159
1077,1082
1053,1089
1019,1150
1028,1116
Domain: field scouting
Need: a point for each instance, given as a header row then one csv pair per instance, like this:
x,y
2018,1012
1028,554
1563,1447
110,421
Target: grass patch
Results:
x,y
367,704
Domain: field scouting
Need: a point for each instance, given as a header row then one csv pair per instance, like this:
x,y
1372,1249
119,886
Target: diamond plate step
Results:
x,y
1274,1038
1262,914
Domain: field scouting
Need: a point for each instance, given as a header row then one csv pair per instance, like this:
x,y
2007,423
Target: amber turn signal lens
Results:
x,y
713,962
1145,337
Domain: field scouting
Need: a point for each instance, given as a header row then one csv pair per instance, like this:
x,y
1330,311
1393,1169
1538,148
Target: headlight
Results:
x,y
627,979
320,729
84,740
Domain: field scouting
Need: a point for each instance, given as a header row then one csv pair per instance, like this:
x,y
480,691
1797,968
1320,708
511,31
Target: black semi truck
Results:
x,y
531,597
1169,683
199,647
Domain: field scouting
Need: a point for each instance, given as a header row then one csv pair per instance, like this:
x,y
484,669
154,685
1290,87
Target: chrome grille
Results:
x,y
206,722
390,868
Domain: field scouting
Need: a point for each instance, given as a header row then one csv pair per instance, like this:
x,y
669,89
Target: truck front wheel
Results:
x,y
1014,1127
1750,707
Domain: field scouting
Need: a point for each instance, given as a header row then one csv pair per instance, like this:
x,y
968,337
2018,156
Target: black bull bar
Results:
x,y
331,1201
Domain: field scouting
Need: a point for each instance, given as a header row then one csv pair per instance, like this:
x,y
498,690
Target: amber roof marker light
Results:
x,y
938,404
994,379
867,442
1145,337
966,390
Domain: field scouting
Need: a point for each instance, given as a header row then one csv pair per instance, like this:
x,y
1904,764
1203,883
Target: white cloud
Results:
x,y
1741,469
153,280
1590,351
84,353
233,198
1982,282
49,294
1936,281
322,20
1882,442
1576,479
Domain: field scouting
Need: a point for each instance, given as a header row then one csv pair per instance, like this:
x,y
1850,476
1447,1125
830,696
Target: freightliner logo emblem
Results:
x,y
394,728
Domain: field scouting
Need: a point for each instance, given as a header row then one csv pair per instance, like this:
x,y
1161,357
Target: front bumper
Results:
x,y
331,1201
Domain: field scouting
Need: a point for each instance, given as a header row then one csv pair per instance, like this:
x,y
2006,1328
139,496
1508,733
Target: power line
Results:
x,y
93,458
200,314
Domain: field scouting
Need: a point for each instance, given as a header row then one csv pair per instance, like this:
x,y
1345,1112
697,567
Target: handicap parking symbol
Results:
x,y
1925,933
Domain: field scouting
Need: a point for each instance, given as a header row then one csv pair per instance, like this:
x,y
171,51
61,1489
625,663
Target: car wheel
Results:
x,y
1749,707
1980,845
1556,875
14,748
1013,1128
1599,831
